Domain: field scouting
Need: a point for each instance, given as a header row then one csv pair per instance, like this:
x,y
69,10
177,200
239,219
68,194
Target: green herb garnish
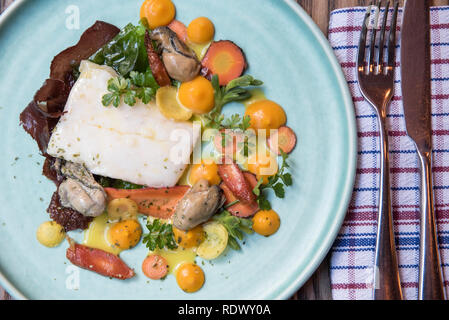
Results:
x,y
235,122
160,236
236,90
278,182
107,182
138,85
233,91
236,227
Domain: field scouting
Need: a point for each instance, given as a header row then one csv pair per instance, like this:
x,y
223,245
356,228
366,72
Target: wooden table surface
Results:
x,y
315,288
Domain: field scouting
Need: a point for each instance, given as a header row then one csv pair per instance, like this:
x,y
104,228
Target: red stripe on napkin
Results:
x,y
353,251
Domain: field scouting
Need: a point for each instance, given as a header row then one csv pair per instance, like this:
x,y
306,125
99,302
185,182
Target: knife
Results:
x,y
415,72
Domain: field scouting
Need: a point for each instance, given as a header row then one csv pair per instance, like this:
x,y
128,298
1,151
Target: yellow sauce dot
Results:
x,y
189,239
158,12
190,277
125,234
197,95
176,257
266,115
50,234
205,171
266,223
201,30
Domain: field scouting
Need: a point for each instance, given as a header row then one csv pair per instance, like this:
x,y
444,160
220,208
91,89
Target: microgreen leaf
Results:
x,y
246,123
236,227
279,190
263,202
108,99
236,90
137,78
287,179
130,98
243,81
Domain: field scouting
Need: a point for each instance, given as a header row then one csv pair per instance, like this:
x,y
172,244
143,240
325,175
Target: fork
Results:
x,y
376,81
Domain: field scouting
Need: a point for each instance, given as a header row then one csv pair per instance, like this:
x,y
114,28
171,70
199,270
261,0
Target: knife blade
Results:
x,y
416,94
415,69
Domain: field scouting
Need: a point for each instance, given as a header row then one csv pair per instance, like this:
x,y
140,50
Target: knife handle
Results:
x,y
387,285
430,285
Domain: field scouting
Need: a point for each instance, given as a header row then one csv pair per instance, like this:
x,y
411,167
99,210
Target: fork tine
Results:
x,y
362,43
380,53
373,39
392,39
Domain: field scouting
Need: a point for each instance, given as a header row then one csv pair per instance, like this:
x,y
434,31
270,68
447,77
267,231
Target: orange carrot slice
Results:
x,y
225,59
180,29
241,209
155,267
284,138
99,261
159,203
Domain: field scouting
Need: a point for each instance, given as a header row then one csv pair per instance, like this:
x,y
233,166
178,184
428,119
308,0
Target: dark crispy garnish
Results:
x,y
50,172
90,42
42,114
66,217
37,125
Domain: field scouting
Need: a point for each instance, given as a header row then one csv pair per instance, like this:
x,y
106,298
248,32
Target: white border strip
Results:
x,y
350,179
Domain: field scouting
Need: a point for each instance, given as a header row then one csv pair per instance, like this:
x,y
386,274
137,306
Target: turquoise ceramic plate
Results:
x,y
285,49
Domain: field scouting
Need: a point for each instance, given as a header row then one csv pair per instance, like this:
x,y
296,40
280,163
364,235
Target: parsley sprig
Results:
x,y
236,227
160,236
235,90
139,85
235,122
277,183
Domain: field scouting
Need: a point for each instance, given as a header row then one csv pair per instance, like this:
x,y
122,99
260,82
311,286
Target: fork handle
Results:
x,y
387,284
430,285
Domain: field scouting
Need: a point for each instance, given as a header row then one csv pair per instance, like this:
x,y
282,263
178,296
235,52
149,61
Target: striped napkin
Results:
x,y
353,251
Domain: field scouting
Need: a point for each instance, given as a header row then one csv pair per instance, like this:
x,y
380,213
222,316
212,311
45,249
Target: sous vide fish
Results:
x,y
136,144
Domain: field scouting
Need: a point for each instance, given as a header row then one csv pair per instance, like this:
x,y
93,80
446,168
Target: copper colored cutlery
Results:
x,y
416,94
375,69
376,81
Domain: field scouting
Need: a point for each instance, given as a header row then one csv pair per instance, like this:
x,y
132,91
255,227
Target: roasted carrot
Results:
x,y
284,139
155,267
156,65
241,209
180,29
234,179
251,178
225,59
159,203
99,261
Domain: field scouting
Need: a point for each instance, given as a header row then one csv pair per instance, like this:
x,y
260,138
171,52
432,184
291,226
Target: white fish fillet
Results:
x,y
136,144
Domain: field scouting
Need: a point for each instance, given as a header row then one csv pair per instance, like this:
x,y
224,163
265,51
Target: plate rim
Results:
x,y
349,180
4,282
